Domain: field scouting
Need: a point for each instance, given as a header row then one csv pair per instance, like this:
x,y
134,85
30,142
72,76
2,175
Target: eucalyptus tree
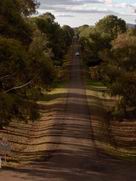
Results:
x,y
111,25
119,70
29,48
22,72
59,38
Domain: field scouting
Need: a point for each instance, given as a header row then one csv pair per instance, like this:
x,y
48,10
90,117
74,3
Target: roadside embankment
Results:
x,y
34,140
115,137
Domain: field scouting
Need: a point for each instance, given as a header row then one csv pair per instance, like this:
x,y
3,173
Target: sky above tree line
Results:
x,y
79,12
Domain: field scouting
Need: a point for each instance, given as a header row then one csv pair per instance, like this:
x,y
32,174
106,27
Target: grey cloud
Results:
x,y
84,11
63,7
67,2
66,16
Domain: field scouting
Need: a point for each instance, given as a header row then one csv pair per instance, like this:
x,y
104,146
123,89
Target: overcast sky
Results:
x,y
79,12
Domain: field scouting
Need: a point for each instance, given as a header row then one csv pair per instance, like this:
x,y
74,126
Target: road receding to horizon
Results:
x,y
73,152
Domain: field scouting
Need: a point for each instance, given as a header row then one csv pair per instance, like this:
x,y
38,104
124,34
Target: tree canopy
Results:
x,y
112,47
111,25
29,49
120,69
13,25
58,44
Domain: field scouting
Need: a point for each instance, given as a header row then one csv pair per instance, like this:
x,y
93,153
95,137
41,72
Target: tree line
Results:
x,y
111,46
30,49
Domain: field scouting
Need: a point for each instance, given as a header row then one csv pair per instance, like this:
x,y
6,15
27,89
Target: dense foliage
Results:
x,y
58,38
119,70
112,47
111,25
29,50
97,38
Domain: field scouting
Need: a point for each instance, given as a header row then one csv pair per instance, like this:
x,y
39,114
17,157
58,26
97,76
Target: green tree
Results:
x,y
68,35
40,60
28,49
120,70
27,7
92,42
58,44
13,25
112,25
15,77
14,82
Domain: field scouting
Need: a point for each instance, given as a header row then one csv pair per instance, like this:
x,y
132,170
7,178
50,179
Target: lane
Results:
x,y
75,155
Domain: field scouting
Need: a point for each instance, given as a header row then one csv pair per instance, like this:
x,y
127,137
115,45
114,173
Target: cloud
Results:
x,y
73,6
108,1
96,9
65,16
80,9
68,2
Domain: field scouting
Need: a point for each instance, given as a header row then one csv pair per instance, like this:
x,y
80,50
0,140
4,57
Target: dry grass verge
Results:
x,y
31,140
115,137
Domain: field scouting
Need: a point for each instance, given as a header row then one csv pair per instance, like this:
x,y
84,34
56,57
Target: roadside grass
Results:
x,y
104,128
120,153
59,84
97,86
100,91
21,136
53,97
57,91
95,83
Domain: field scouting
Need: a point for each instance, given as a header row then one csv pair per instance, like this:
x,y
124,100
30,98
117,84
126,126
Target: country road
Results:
x,y
76,157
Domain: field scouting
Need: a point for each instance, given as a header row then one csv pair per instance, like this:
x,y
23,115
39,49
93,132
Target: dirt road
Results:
x,y
74,156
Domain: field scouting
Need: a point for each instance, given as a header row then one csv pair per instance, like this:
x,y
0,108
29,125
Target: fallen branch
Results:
x,y
19,87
